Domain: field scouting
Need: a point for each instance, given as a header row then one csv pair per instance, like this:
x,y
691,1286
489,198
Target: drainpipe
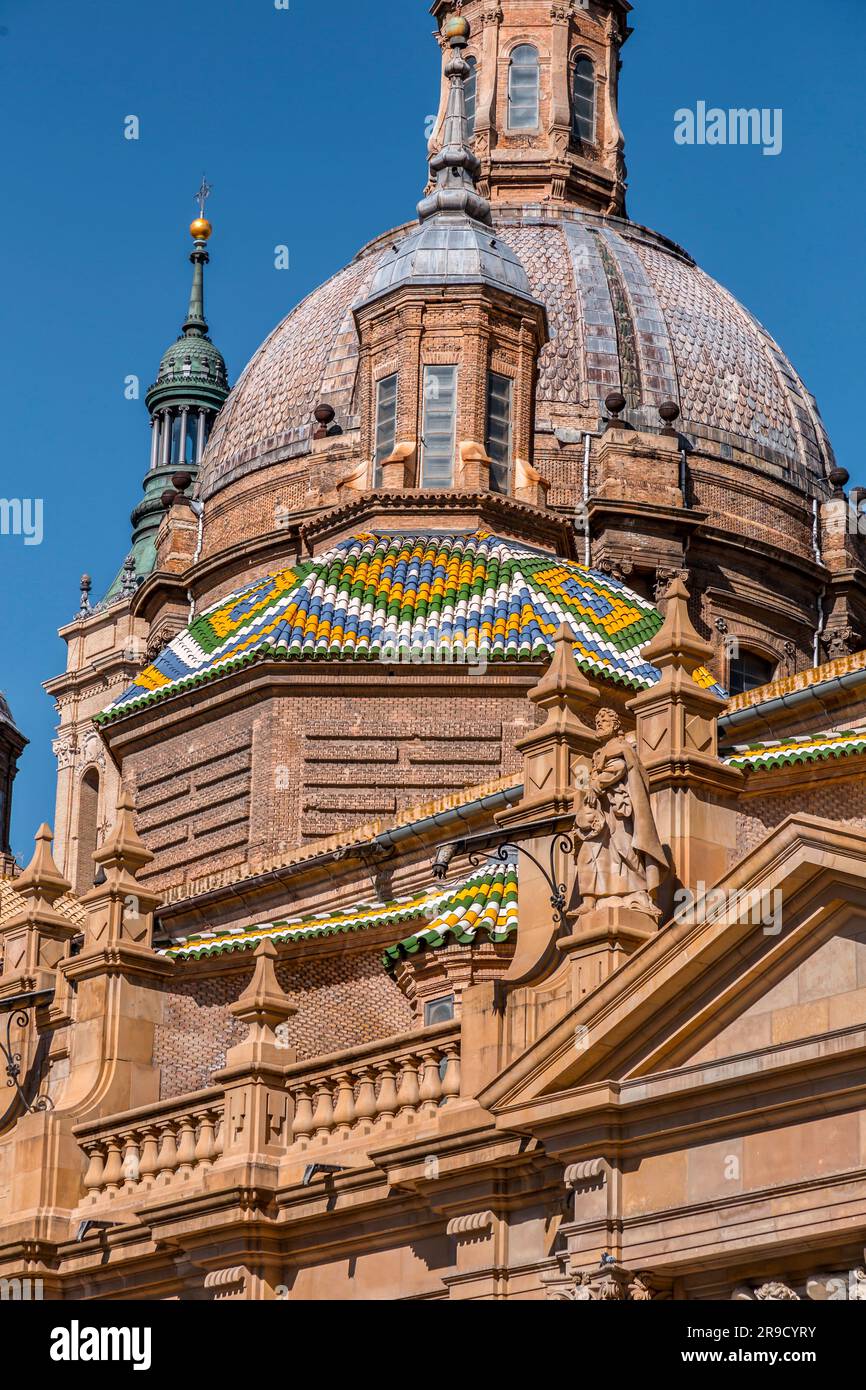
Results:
x,y
198,508
819,560
587,547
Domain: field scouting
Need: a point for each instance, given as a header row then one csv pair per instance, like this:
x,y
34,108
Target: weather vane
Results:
x,y
203,194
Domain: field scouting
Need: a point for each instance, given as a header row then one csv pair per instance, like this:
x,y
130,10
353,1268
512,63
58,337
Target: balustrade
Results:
x,y
174,1141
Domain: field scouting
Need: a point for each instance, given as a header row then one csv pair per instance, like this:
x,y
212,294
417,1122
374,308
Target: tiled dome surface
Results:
x,y
466,598
626,308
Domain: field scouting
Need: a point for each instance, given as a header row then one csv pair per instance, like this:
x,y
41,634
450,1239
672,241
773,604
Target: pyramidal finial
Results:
x,y
123,847
563,683
677,643
455,168
42,881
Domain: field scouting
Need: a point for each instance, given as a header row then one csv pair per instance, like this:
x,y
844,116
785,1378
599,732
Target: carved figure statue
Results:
x,y
620,860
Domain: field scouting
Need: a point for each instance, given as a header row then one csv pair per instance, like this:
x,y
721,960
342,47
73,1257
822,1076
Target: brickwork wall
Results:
x,y
844,802
342,1000
294,770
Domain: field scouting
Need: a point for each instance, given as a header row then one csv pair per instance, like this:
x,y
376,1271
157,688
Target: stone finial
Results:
x,y
264,1004
86,587
677,643
42,882
563,684
35,940
124,848
120,909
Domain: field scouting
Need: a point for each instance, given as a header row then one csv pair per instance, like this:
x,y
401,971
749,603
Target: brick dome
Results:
x,y
627,308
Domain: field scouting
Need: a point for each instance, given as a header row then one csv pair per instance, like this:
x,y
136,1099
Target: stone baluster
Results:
x,y
302,1125
149,1165
205,1145
131,1158
451,1079
186,1147
365,1103
219,1133
94,1177
344,1110
167,1160
386,1104
113,1177
431,1085
323,1119
408,1095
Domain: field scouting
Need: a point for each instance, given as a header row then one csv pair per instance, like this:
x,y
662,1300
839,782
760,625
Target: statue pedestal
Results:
x,y
600,941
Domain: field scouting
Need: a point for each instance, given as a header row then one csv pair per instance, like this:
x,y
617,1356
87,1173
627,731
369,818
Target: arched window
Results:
x,y
748,671
583,101
524,82
470,92
88,823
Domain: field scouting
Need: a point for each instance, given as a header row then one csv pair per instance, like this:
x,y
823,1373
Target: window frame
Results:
x,y
769,661
473,80
577,61
427,373
513,67
508,464
379,451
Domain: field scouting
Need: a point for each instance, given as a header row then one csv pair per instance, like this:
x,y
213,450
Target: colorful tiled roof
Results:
x,y
470,598
811,748
487,901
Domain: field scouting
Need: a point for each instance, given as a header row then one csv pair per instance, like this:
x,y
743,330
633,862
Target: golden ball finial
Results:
x,y
200,229
456,28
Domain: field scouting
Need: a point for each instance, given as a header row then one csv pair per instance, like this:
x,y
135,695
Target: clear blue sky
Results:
x,y
310,125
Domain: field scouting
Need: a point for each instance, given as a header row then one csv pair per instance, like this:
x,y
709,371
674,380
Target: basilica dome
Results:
x,y
627,309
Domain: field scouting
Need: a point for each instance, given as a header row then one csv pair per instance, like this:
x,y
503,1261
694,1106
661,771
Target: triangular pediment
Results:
x,y
775,954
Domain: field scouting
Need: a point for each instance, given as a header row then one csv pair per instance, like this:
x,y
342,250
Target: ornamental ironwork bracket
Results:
x,y
18,1009
501,849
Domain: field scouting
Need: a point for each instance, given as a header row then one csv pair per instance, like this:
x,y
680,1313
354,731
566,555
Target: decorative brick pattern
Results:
x,y
343,1001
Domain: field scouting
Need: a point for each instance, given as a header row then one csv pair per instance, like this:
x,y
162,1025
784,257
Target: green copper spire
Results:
x,y
184,401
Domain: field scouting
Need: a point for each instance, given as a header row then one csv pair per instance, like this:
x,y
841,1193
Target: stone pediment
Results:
x,y
769,966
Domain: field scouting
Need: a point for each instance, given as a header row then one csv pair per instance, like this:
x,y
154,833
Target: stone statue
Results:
x,y
620,860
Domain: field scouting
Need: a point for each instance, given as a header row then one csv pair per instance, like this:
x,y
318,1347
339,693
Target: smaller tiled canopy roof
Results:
x,y
484,902
811,748
465,597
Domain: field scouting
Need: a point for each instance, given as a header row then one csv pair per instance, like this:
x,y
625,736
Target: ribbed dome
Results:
x,y
626,308
193,359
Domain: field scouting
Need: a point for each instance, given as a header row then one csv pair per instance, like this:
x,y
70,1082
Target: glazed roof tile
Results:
x,y
458,911
462,598
811,748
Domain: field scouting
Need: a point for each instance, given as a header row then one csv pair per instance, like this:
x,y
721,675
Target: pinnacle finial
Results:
x,y
455,168
677,643
201,229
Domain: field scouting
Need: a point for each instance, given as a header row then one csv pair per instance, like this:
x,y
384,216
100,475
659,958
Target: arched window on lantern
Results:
x,y
88,830
748,671
524,86
470,94
583,101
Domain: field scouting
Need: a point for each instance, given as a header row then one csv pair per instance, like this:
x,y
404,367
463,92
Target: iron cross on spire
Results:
x,y
203,194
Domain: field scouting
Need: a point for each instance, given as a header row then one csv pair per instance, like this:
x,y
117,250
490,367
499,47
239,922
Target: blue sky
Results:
x,y
310,125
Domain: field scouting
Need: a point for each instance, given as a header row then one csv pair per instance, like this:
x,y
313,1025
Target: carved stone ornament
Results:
x,y
66,752
610,1284
620,860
